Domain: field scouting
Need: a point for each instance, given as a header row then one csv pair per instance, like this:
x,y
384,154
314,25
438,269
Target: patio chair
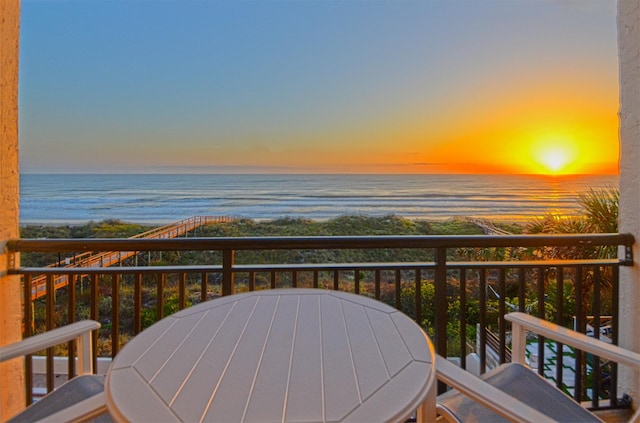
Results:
x,y
512,391
80,398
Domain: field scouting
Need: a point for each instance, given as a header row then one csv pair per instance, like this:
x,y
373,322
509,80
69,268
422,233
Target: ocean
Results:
x,y
70,199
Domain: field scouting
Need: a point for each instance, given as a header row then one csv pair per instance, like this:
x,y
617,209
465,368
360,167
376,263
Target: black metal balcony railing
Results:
x,y
460,302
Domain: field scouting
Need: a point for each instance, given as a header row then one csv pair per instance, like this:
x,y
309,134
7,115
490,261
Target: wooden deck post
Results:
x,y
227,272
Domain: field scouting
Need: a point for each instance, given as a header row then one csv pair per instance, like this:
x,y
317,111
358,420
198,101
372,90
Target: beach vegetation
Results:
x,y
599,214
104,229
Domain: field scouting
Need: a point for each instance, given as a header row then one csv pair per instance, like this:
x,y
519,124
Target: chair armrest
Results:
x,y
48,339
480,391
522,322
81,331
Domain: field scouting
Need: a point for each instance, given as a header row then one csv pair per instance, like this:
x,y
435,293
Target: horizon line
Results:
x,y
310,173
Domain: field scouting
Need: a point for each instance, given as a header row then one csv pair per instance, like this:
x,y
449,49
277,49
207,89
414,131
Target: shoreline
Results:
x,y
158,223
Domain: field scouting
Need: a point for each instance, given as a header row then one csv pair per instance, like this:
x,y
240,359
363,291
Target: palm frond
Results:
x,y
601,209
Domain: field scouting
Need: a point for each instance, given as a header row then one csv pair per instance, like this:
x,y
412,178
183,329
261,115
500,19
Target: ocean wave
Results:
x,y
159,199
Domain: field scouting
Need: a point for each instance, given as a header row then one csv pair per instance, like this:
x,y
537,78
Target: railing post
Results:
x,y
615,315
502,288
160,295
440,279
71,317
137,304
182,287
115,314
93,315
50,313
28,313
227,272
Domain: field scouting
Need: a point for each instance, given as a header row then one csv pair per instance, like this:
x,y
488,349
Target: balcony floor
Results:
x,y
615,416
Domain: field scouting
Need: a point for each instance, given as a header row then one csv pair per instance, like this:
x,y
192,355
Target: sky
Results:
x,y
309,86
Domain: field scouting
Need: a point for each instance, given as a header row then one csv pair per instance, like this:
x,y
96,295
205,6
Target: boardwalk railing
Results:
x,y
432,279
487,226
111,258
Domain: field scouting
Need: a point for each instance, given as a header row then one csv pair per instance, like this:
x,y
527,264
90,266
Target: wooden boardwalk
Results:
x,y
487,227
110,258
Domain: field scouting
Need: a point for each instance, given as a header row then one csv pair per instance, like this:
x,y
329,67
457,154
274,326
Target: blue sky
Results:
x,y
307,86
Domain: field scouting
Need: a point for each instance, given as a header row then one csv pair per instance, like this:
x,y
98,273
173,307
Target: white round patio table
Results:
x,y
285,355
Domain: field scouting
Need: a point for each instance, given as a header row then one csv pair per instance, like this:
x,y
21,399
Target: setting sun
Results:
x,y
555,159
554,156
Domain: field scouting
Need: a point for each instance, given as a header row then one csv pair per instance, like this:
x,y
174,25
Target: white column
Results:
x,y
629,54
